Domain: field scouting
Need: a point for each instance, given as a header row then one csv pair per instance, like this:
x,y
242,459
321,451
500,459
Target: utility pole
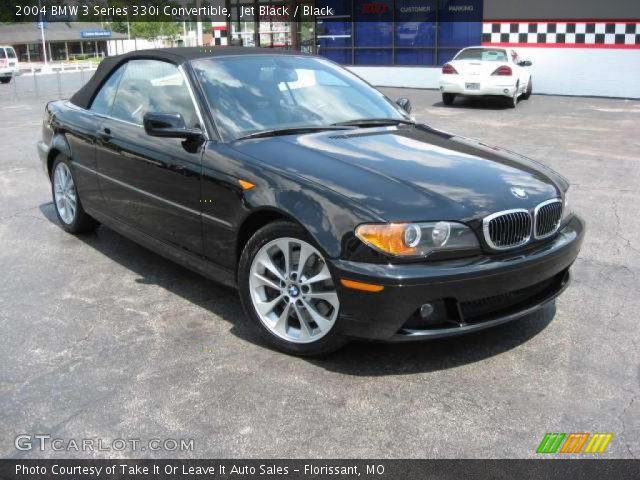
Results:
x,y
44,44
199,40
184,34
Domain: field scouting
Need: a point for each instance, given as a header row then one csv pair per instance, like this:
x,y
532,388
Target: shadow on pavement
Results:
x,y
358,358
377,359
479,103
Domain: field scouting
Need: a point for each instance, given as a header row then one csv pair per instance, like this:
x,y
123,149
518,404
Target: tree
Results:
x,y
155,30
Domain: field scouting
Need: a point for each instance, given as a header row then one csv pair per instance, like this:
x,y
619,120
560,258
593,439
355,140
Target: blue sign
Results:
x,y
95,33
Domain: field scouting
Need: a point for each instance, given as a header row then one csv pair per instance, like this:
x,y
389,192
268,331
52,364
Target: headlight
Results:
x,y
567,208
417,239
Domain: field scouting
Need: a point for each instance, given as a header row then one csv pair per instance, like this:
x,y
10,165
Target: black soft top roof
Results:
x,y
177,56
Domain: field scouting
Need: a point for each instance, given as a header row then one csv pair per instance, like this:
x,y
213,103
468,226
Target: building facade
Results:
x,y
578,47
63,41
363,32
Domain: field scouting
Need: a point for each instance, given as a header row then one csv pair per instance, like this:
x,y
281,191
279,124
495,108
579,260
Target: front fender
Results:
x,y
327,216
59,144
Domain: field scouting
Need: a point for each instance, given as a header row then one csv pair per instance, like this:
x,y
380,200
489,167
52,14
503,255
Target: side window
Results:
x,y
153,86
11,53
103,101
2,54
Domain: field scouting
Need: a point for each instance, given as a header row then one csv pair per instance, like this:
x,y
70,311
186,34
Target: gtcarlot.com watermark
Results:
x,y
43,442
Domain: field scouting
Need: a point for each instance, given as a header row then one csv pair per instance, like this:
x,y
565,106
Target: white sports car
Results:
x,y
484,71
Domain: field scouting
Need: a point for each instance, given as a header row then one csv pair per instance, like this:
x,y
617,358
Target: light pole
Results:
x,y
44,44
199,41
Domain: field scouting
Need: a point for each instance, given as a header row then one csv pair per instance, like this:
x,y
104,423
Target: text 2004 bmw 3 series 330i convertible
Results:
x,y
333,213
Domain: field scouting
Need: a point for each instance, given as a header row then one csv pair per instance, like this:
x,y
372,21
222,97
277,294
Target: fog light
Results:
x,y
506,91
426,310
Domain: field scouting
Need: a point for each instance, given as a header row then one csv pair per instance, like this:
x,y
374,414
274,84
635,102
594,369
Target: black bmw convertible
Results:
x,y
334,214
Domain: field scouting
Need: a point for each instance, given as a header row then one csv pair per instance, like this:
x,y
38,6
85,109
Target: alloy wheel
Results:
x,y
292,290
65,196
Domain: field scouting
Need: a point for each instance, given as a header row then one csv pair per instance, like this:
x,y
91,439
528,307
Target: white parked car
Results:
x,y
484,71
8,63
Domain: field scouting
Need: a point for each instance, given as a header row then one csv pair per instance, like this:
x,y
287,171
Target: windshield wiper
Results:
x,y
374,122
274,132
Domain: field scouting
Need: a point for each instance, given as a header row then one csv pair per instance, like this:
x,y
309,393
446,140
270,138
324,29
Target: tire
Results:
x,y
5,79
448,98
283,305
529,91
512,102
66,201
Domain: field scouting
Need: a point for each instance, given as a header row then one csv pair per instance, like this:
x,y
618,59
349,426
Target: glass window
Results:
x,y
414,56
446,55
260,92
373,23
342,56
11,53
334,34
153,86
374,56
459,34
398,32
415,23
242,28
483,54
336,30
2,54
415,34
103,101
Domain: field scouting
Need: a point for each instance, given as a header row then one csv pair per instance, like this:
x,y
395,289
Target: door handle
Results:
x,y
105,133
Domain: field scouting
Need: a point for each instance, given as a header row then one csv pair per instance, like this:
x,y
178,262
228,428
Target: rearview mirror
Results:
x,y
525,63
169,125
404,104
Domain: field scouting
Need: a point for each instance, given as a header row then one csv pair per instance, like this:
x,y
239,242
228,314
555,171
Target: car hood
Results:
x,y
411,173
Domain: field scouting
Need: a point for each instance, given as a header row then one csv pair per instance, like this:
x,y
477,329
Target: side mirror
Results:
x,y
525,63
169,125
404,103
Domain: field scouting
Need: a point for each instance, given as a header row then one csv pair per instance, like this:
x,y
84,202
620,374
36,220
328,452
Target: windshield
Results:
x,y
253,93
484,54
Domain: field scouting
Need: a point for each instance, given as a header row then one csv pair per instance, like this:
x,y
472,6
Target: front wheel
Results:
x,y
448,98
288,293
5,79
66,200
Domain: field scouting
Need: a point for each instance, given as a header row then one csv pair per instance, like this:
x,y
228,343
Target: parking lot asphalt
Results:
x,y
102,339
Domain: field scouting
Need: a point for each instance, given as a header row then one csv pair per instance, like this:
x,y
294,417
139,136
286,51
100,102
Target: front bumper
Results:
x,y
467,295
8,72
457,84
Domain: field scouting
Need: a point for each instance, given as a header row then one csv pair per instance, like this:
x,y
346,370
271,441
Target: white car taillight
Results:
x,y
447,69
504,70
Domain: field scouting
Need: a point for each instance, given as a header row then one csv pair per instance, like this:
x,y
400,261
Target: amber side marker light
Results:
x,y
246,185
364,287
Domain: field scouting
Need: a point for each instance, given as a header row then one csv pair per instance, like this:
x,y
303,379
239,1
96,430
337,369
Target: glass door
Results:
x,y
306,31
274,26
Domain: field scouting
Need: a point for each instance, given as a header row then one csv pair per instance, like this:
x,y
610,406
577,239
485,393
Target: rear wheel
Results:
x,y
66,200
448,98
512,102
529,91
5,79
288,293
